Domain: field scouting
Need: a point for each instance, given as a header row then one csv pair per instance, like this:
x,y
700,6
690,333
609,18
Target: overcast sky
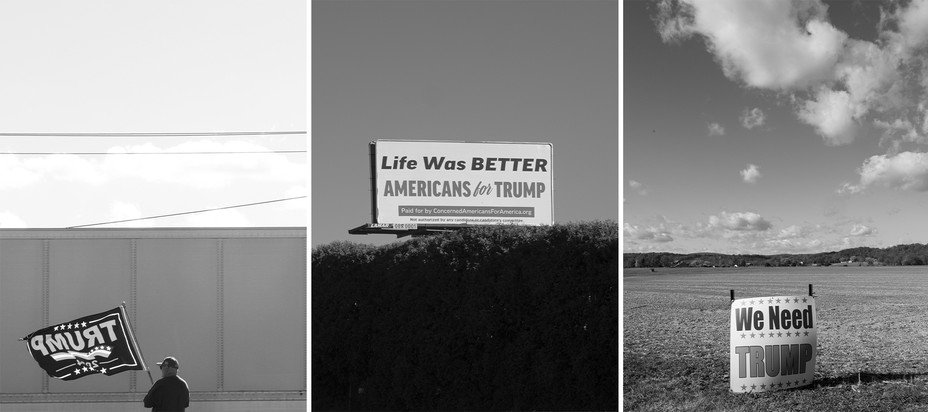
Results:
x,y
518,71
774,126
152,67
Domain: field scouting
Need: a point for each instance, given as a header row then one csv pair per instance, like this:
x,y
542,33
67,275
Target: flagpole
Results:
x,y
135,344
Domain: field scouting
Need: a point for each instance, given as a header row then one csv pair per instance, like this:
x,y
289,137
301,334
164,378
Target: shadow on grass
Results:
x,y
866,377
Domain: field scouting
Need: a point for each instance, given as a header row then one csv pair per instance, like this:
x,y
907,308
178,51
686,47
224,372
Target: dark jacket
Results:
x,y
168,394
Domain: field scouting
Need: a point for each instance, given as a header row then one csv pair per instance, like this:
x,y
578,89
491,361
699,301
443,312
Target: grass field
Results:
x,y
872,325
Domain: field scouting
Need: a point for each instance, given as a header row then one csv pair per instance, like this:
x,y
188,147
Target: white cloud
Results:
x,y
837,83
10,220
833,115
906,171
899,129
296,204
768,44
861,230
674,21
913,24
740,221
199,171
638,187
716,129
753,118
218,218
751,174
791,232
774,246
120,210
651,233
67,168
849,189
205,171
14,174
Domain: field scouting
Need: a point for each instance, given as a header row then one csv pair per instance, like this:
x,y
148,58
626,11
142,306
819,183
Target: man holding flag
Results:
x,y
170,393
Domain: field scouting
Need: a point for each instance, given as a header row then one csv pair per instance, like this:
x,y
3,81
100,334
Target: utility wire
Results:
x,y
148,153
183,134
188,213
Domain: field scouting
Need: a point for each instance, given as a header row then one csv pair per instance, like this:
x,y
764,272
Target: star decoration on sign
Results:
x,y
742,336
779,334
788,334
803,300
806,333
787,384
744,387
752,335
83,324
103,370
753,387
763,386
770,300
795,300
762,334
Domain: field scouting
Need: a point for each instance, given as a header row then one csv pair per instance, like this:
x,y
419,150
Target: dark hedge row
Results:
x,y
518,318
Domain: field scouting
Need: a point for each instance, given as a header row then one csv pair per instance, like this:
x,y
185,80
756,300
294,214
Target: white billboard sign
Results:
x,y
773,343
462,183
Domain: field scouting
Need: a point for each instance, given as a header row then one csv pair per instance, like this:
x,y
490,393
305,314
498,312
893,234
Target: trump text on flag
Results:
x,y
100,343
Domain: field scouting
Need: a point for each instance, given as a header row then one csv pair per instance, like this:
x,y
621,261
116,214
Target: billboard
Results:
x,y
461,183
773,343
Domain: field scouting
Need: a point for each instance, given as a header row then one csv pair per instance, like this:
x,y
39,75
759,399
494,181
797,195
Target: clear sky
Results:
x,y
519,71
774,126
152,67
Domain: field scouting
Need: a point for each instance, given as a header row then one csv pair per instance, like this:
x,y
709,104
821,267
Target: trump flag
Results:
x,y
99,343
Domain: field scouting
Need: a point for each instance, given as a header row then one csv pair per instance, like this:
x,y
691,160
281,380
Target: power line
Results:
x,y
188,213
181,134
148,153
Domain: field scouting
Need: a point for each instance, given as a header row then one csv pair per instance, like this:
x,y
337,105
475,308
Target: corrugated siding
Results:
x,y
230,304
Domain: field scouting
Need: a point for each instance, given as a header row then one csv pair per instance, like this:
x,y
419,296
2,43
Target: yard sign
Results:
x,y
773,343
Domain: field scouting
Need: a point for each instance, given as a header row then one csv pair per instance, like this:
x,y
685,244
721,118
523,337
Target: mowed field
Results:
x,y
872,325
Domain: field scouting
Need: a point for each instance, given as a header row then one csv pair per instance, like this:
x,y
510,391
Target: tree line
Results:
x,y
899,255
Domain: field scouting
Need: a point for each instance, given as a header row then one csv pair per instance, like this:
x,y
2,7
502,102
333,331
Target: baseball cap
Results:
x,y
169,361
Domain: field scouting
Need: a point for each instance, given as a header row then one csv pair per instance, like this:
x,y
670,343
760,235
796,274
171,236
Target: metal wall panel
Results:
x,y
21,278
85,278
176,310
229,303
265,314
